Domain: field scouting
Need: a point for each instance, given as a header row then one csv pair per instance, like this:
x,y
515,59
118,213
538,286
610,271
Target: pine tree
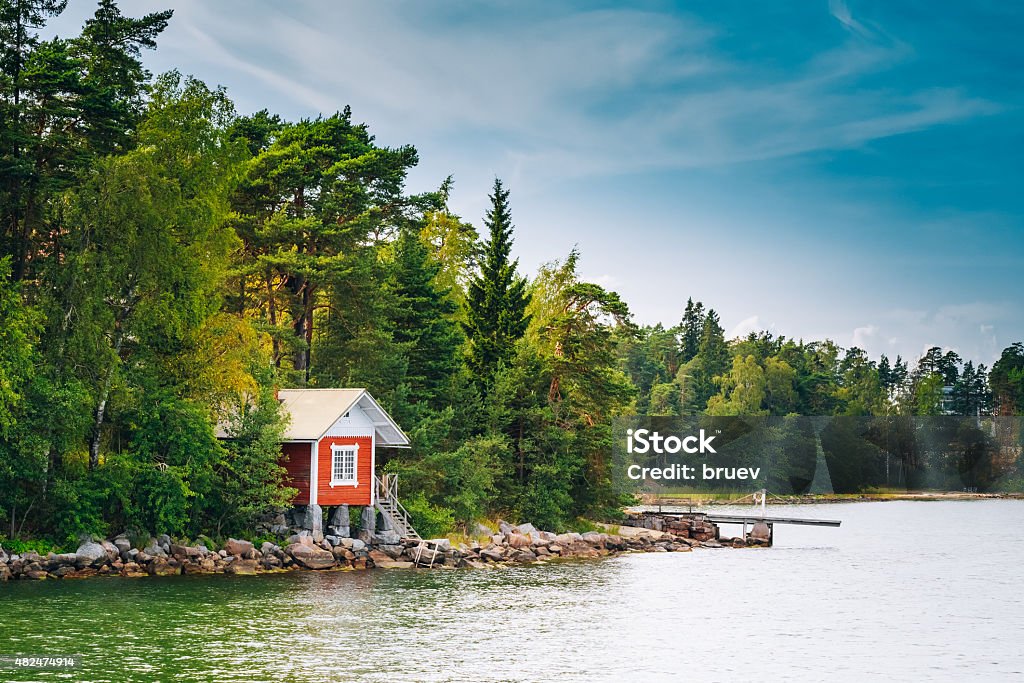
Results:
x,y
497,298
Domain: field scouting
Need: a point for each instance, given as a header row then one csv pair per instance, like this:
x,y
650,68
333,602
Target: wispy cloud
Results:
x,y
559,93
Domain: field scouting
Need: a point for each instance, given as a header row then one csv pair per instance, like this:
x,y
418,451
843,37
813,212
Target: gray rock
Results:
x,y
241,567
504,527
523,556
388,537
394,551
567,539
279,530
155,550
483,530
368,519
123,545
493,553
90,553
268,548
112,550
164,541
313,519
239,548
66,558
340,516
358,545
526,529
311,556
519,541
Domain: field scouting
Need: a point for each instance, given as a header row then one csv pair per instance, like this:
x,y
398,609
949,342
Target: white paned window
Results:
x,y
343,465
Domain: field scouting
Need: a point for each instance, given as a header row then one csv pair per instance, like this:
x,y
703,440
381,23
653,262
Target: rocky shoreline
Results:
x,y
510,545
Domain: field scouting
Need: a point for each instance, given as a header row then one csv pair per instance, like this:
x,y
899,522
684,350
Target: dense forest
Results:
x,y
166,262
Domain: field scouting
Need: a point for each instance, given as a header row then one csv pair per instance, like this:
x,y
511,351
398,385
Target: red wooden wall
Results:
x,y
346,495
295,459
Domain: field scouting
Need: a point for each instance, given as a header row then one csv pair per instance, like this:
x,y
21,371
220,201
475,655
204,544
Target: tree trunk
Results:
x,y
297,287
101,403
272,312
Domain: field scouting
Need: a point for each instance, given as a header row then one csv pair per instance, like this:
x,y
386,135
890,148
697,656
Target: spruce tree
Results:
x,y
691,329
497,297
422,320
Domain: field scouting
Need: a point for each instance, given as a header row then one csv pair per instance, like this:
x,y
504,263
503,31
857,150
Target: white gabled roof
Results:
x,y
314,411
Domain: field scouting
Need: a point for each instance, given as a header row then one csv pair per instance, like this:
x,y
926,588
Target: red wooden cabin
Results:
x,y
330,444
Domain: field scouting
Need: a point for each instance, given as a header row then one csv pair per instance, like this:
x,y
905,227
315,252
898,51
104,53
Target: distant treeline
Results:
x,y
167,262
691,368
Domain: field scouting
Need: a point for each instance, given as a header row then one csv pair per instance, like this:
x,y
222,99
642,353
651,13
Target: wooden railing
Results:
x,y
388,503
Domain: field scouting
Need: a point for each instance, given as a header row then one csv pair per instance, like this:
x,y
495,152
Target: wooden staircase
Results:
x,y
388,505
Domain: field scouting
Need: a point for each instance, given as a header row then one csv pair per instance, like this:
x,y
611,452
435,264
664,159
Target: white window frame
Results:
x,y
338,452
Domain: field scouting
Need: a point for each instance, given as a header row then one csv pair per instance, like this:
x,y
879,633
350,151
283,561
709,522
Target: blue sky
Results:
x,y
837,169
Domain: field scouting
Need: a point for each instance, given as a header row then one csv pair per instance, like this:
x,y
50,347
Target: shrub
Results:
x,y
430,521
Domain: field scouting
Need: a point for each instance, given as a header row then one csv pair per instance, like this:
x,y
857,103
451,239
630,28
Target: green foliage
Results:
x,y
431,521
165,263
40,546
1007,380
497,300
247,480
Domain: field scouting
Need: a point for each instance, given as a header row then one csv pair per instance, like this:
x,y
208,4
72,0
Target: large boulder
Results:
x,y
90,553
760,531
161,567
493,553
239,548
113,553
379,556
340,516
65,559
155,550
311,556
526,529
519,541
184,552
567,539
393,564
393,551
523,556
123,545
483,530
241,566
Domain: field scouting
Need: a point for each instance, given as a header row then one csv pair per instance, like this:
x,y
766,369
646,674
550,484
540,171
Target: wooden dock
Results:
x,y
753,519
699,523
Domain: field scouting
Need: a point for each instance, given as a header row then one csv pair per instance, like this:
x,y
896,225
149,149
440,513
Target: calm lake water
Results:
x,y
902,591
